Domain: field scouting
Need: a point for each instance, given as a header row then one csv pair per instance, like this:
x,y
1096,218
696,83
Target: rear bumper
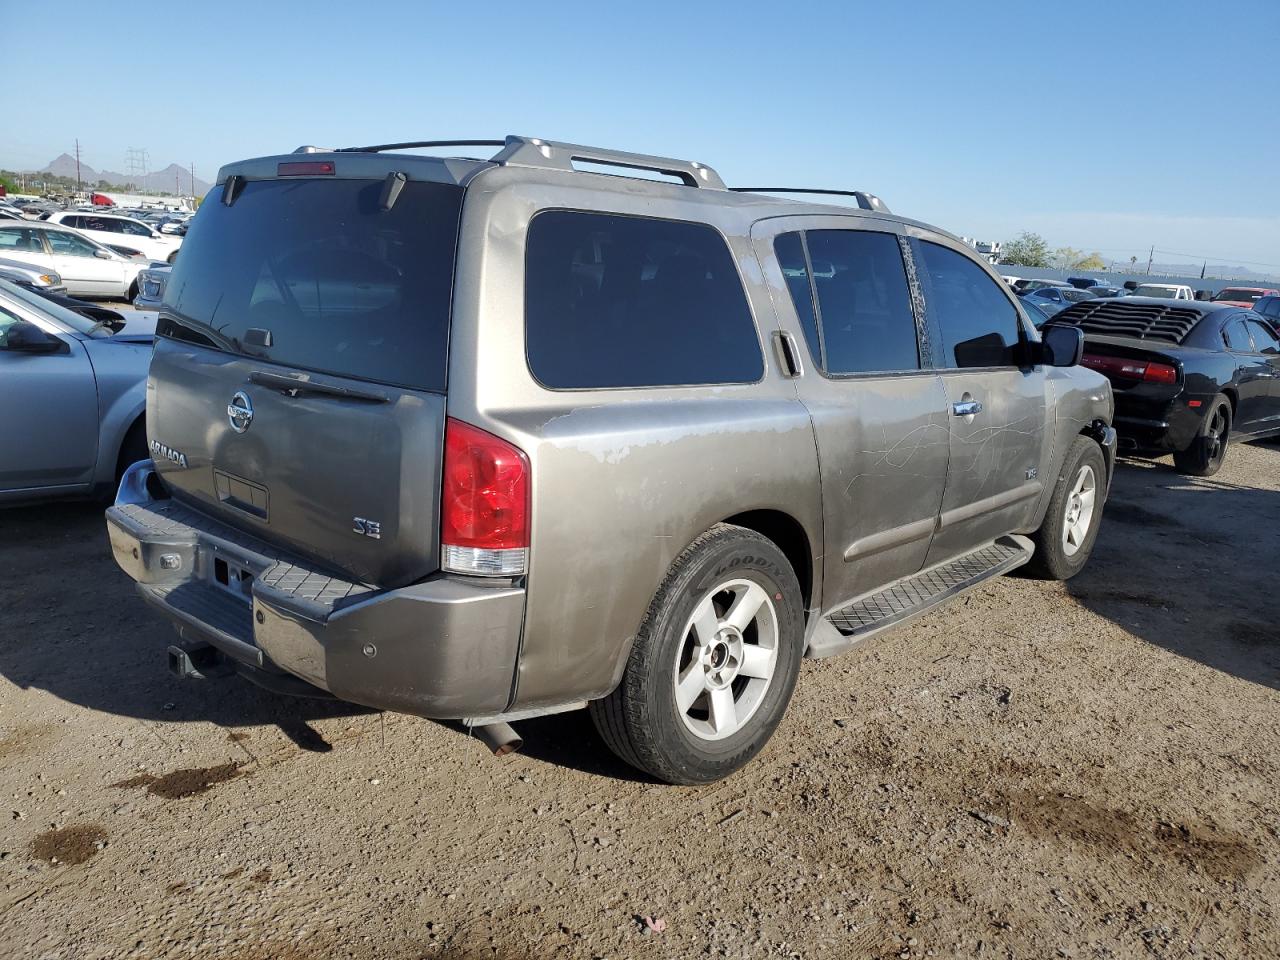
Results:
x,y
444,648
1165,428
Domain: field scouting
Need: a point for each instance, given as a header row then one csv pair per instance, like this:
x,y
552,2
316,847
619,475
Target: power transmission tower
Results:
x,y
135,159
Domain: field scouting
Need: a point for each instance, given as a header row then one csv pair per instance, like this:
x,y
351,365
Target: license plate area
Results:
x,y
233,577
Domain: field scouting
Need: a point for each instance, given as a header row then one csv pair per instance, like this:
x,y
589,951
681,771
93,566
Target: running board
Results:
x,y
911,596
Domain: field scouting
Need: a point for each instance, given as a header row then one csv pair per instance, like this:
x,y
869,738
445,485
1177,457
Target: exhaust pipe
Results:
x,y
498,737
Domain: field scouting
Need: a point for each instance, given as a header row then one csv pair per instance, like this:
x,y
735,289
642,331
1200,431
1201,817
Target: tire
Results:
x,y
133,449
672,657
1208,450
1070,526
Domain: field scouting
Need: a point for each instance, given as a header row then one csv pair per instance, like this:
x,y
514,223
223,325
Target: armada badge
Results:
x,y
161,452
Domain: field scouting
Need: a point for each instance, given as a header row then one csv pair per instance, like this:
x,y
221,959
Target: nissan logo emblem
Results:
x,y
240,412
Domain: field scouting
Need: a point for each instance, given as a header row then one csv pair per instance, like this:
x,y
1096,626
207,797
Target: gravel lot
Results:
x,y
1080,770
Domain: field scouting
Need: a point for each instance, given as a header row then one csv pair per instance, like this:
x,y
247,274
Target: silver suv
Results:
x,y
489,439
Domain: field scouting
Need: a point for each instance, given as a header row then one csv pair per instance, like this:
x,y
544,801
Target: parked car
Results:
x,y
1164,291
586,438
1243,296
1030,283
87,268
11,215
81,444
1106,290
1187,377
151,283
1053,299
31,277
1084,283
111,229
1269,307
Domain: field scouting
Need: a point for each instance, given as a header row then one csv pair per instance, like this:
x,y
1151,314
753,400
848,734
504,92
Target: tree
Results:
x,y
1068,258
1027,250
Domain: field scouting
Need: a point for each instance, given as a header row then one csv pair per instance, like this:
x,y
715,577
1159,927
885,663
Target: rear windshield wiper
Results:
x,y
294,386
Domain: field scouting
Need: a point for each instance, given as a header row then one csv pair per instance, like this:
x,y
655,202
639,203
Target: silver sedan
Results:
x,y
73,392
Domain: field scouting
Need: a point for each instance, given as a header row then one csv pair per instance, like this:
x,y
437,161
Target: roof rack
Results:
x,y
866,201
552,154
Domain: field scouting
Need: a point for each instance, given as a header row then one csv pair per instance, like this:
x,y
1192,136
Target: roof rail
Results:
x,y
866,201
533,152
380,147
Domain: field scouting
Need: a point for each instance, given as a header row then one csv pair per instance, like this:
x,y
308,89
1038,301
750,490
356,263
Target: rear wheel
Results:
x,y
1065,538
1208,450
714,663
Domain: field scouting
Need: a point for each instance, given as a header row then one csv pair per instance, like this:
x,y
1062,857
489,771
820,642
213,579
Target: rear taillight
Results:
x,y
484,503
1131,369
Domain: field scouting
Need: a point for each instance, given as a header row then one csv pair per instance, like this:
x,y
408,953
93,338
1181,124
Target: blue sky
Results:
x,y
1108,126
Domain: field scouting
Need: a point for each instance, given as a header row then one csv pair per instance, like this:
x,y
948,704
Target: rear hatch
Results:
x,y
298,385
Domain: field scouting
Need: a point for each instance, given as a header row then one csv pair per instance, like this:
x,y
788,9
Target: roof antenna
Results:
x,y
391,188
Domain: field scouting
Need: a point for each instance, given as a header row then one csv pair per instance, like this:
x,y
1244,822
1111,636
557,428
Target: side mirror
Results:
x,y
25,337
1061,345
102,254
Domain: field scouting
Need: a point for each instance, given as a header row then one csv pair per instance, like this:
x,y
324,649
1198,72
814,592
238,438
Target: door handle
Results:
x,y
966,408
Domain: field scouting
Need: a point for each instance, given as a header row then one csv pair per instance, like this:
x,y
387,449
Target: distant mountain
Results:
x,y
174,178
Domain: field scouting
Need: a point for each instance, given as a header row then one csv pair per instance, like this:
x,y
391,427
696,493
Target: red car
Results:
x,y
1243,296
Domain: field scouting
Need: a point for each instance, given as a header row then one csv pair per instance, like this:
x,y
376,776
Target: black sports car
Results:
x,y
1187,375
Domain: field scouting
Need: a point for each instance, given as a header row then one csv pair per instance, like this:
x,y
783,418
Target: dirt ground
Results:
x,y
1039,771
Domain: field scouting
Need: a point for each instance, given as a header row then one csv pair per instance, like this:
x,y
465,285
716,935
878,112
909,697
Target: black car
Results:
x,y
1186,375
1269,307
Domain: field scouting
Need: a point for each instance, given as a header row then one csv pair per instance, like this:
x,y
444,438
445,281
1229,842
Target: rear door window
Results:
x,y
1237,337
979,324
341,285
864,303
620,301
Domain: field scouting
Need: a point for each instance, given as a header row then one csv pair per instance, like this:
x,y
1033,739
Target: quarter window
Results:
x,y
863,301
979,324
617,301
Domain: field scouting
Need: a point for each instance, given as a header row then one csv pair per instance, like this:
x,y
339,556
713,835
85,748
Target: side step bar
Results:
x,y
917,594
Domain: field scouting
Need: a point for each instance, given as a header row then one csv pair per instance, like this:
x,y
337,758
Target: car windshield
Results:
x,y
56,312
1238,295
1152,290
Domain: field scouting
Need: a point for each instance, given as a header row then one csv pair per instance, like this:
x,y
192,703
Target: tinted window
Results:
x,y
342,285
1236,337
1264,341
133,229
613,301
789,248
864,304
979,325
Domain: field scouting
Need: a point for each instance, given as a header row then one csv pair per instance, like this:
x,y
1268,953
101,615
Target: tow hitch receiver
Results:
x,y
198,661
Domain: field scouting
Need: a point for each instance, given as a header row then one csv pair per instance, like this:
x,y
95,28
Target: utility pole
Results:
x,y
1151,256
78,190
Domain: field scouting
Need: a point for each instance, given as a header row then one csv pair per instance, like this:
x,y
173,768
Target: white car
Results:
x,y
117,231
1165,291
87,267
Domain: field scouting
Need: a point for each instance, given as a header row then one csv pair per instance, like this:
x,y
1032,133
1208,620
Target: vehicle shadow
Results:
x,y
1186,563
72,624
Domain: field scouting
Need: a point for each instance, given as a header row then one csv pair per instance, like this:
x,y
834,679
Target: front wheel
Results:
x,y
714,663
1070,527
1207,451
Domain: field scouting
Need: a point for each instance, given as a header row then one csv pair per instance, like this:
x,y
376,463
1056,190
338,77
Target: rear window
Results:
x,y
341,285
615,301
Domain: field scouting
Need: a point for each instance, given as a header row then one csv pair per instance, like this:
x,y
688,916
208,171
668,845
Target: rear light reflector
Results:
x,y
305,168
484,503
1131,369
